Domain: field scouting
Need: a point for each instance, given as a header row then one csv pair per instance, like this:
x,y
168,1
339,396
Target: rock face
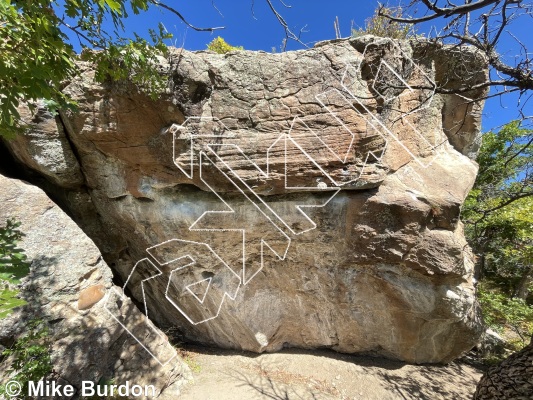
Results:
x,y
510,380
70,288
306,199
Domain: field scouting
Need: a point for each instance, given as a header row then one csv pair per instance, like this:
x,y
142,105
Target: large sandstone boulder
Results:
x,y
307,199
70,288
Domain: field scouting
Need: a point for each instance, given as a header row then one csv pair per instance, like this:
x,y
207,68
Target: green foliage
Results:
x,y
13,261
500,312
133,61
220,46
503,157
13,267
498,216
499,210
9,299
31,355
378,25
190,360
37,56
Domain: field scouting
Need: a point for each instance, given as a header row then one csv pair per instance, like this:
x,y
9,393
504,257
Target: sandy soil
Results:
x,y
297,374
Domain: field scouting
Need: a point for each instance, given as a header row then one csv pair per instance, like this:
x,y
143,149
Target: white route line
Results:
x,y
386,64
224,296
200,300
405,57
148,322
175,129
207,150
260,199
263,242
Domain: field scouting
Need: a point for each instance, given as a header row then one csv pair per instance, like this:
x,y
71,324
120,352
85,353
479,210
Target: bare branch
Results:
x,y
285,5
253,9
492,23
180,16
289,34
441,12
503,24
502,205
521,151
467,20
216,8
80,35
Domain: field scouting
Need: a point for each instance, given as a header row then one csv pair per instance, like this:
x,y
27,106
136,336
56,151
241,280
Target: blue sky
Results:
x,y
259,30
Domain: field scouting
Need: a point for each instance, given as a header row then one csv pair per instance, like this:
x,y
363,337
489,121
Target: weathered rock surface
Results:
x,y
202,192
45,147
70,288
512,379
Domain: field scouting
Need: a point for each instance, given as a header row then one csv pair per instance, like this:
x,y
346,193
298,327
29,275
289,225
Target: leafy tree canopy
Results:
x,y
38,55
499,210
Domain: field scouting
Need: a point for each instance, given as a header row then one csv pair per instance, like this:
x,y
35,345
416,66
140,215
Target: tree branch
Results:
x,y
180,16
288,33
492,25
514,198
525,147
441,12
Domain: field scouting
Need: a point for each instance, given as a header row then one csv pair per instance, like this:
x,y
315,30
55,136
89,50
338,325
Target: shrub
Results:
x,y
220,46
501,312
31,356
13,267
378,25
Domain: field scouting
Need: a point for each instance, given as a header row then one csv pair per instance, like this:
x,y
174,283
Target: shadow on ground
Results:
x,y
315,375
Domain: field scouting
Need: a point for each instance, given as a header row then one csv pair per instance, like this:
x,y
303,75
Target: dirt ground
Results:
x,y
324,375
